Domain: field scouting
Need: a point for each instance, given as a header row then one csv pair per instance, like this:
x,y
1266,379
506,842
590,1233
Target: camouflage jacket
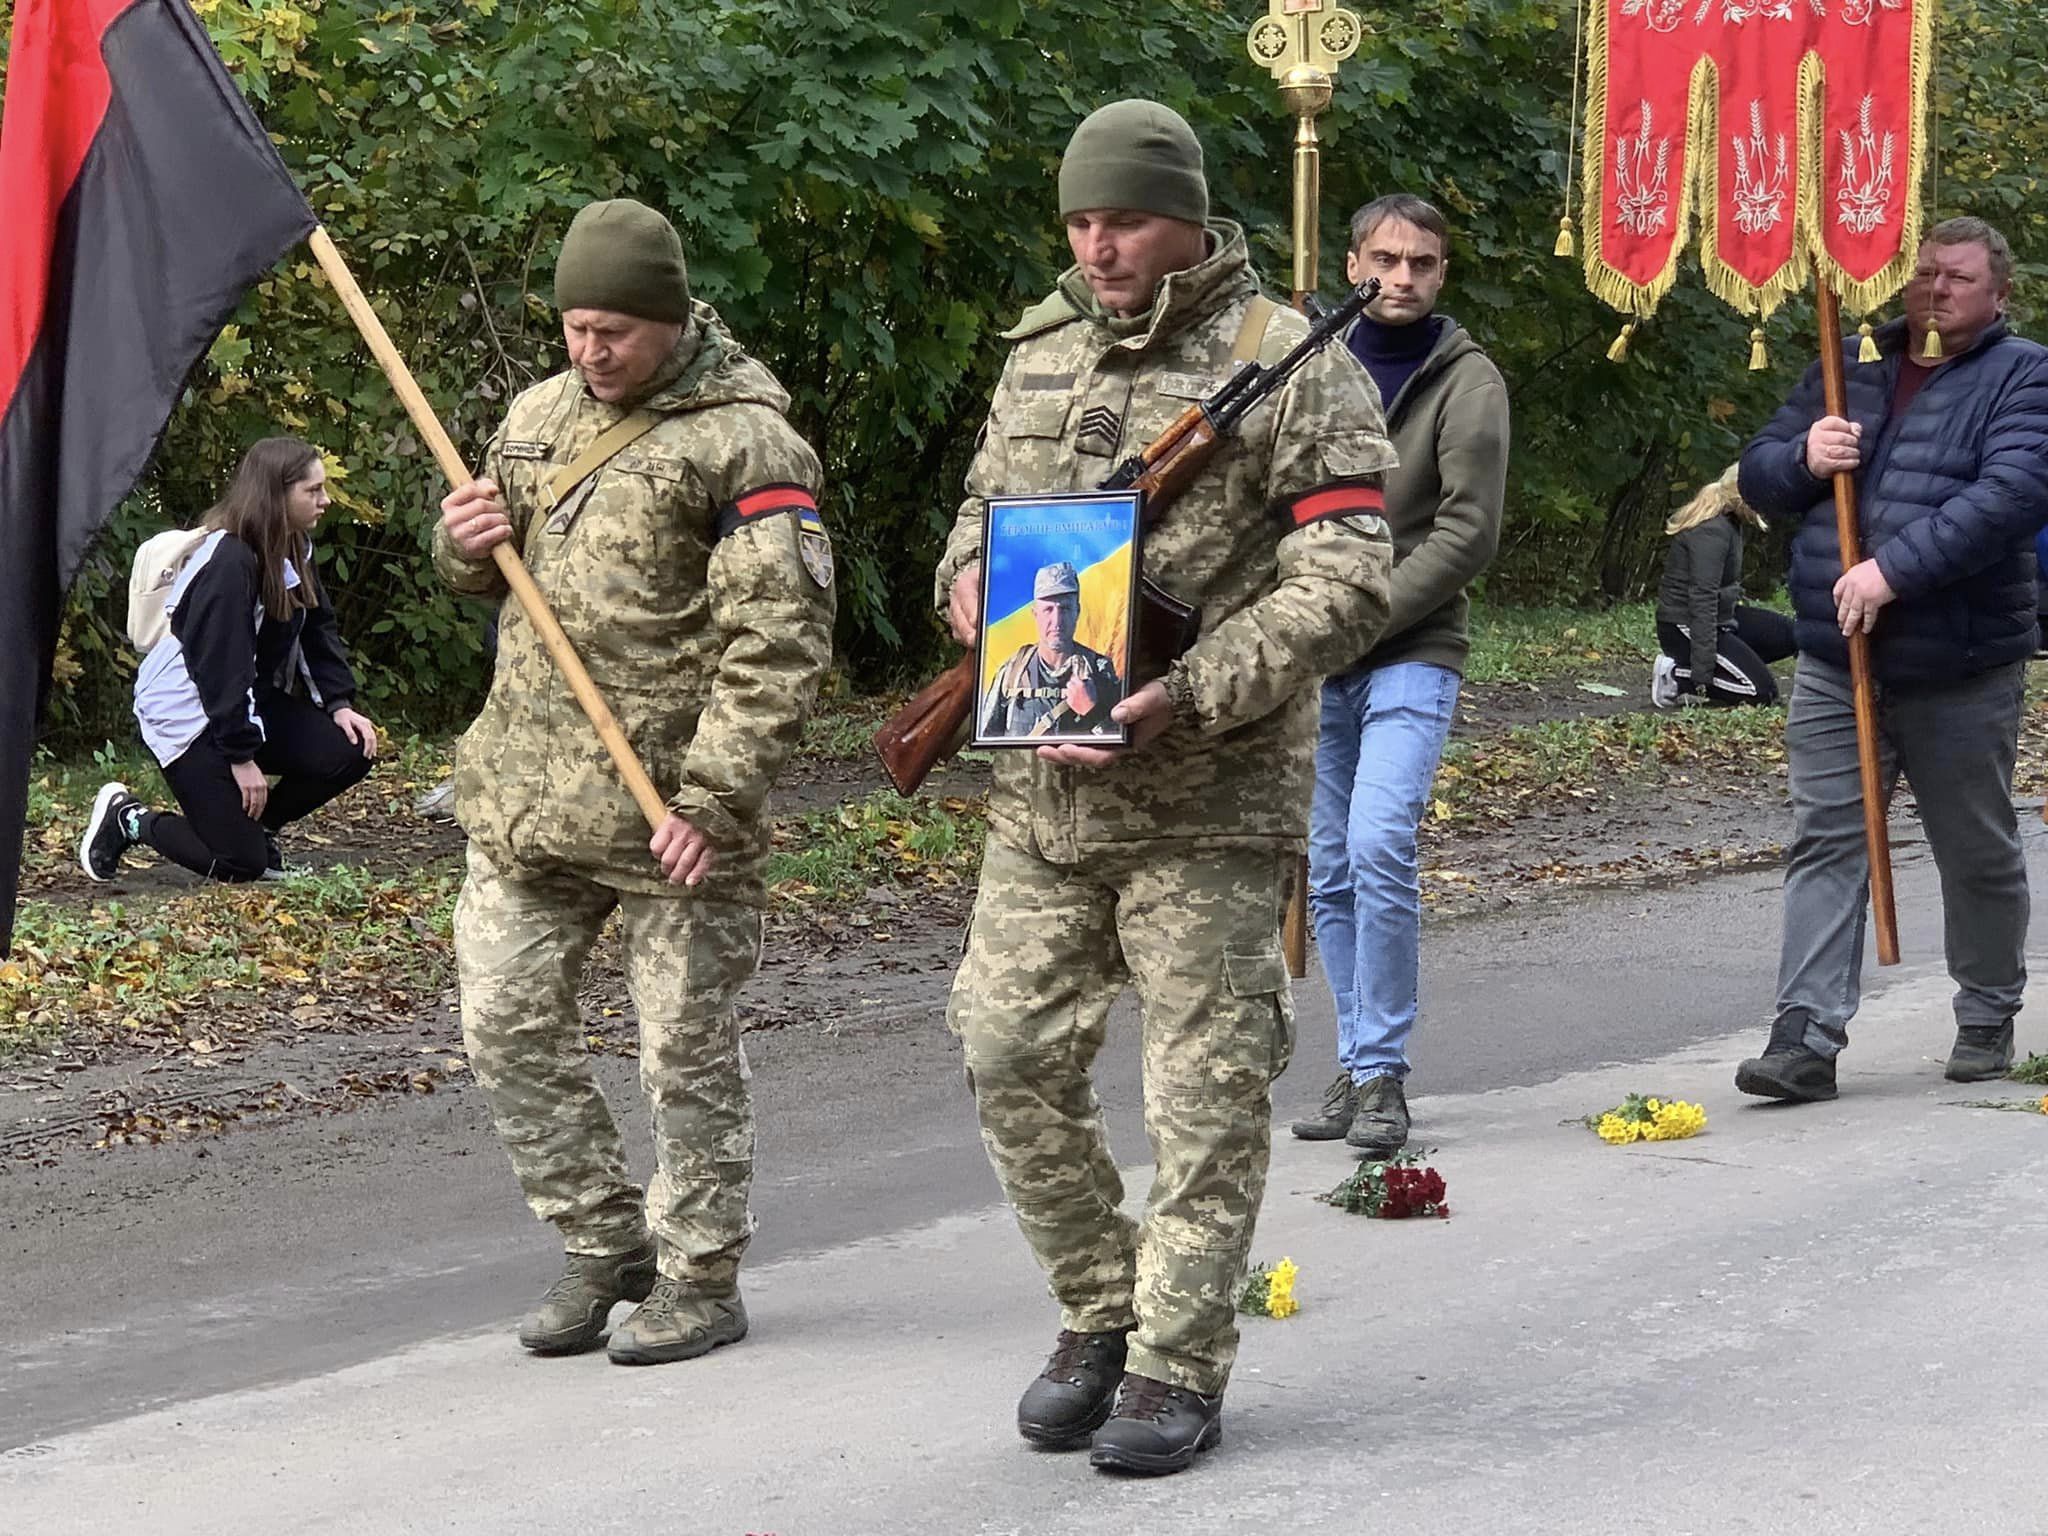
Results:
x,y
693,577
1279,544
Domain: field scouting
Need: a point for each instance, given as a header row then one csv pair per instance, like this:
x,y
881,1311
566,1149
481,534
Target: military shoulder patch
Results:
x,y
814,546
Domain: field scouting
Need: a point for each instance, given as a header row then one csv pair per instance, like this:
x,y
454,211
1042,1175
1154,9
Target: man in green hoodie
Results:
x,y
1386,714
667,511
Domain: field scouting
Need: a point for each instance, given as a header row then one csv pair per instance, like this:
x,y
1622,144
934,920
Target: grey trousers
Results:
x,y
1956,746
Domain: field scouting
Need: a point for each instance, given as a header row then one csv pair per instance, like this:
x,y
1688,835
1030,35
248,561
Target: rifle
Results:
x,y
934,724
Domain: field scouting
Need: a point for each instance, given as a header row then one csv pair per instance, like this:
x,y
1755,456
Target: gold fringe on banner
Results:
x,y
1698,180
1759,358
1866,350
1618,353
1877,290
1564,237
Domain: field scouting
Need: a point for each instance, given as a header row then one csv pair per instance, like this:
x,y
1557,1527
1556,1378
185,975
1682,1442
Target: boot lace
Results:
x,y
1140,1397
1075,1351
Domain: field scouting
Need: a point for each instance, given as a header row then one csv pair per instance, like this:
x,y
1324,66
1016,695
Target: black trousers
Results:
x,y
1743,656
314,759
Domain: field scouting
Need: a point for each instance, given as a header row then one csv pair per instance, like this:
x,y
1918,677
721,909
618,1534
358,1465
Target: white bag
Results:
x,y
155,572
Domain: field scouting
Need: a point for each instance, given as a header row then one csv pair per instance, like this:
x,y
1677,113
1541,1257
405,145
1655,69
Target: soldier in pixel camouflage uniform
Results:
x,y
691,572
1165,866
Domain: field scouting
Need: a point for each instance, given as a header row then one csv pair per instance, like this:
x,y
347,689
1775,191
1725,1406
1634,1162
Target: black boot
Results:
x,y
1982,1052
1340,1108
1157,1428
1073,1394
1789,1068
1381,1128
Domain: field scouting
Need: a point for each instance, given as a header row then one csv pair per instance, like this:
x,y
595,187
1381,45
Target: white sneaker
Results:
x,y
1664,684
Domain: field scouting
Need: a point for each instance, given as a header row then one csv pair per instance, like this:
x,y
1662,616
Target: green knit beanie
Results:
x,y
1137,155
623,256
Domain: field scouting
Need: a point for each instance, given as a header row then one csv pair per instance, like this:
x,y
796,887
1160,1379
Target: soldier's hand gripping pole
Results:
x,y
934,724
509,564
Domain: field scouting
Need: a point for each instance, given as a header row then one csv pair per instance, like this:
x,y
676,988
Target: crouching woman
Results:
x,y
249,624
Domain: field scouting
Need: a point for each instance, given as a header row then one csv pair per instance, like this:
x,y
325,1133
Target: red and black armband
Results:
x,y
769,501
1364,497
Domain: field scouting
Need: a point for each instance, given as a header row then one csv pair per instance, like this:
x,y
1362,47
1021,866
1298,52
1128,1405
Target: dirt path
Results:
x,y
1548,789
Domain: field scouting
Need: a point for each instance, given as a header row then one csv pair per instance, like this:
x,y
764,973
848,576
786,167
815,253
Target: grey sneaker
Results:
x,y
1789,1068
675,1323
1664,684
571,1317
1381,1128
1340,1108
1982,1052
438,803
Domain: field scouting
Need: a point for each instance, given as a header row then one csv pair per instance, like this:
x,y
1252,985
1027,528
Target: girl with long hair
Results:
x,y
250,680
1715,647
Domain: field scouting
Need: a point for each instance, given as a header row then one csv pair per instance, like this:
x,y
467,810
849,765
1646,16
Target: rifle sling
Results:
x,y
612,442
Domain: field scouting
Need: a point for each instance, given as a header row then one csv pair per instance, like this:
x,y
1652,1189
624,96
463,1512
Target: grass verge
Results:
x,y
142,967
836,856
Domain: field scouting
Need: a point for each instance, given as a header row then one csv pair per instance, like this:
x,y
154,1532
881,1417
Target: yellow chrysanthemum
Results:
x,y
2044,1103
1675,1121
1280,1300
1618,1132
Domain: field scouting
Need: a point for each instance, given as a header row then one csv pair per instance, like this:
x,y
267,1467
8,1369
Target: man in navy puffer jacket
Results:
x,y
1950,455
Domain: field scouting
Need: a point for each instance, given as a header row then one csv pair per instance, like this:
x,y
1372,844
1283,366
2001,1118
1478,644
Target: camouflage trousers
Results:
x,y
1197,930
520,945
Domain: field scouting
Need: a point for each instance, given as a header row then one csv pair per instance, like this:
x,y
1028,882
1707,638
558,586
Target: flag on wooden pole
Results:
x,y
142,200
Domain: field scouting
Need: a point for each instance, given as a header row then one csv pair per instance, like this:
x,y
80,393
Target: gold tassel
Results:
x,y
1932,351
1867,352
1565,246
1618,353
1759,359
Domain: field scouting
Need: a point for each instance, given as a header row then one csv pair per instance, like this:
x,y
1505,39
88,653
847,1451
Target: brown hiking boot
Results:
x,y
1157,1428
571,1317
1073,1394
676,1323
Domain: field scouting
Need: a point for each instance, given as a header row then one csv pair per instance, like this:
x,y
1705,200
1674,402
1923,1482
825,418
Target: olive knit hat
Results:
x,y
1137,155
623,256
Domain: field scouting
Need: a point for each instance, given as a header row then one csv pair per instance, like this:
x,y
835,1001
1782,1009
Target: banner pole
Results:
x,y
509,565
1876,833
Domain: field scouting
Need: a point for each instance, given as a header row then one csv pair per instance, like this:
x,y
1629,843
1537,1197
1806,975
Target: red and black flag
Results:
x,y
141,199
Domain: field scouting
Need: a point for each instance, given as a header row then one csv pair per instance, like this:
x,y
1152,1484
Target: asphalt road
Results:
x,y
268,1271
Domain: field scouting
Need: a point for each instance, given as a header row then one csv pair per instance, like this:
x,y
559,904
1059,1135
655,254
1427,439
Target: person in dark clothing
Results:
x,y
1714,646
1947,436
217,697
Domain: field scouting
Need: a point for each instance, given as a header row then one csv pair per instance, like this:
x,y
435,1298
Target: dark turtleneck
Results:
x,y
1392,353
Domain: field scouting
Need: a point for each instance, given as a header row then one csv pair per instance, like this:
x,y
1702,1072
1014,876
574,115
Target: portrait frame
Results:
x,y
1032,549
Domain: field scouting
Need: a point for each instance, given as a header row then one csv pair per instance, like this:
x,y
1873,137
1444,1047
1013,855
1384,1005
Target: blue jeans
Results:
x,y
1383,732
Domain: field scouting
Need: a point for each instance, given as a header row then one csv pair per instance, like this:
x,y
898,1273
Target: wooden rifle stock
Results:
x,y
935,724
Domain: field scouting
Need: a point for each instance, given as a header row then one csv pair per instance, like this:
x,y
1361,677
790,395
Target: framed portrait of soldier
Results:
x,y
1059,586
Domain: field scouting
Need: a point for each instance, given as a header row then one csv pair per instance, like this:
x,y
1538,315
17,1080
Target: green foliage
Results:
x,y
838,855
866,190
1524,645
2033,1069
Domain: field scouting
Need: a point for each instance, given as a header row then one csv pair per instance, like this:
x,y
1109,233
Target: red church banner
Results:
x,y
1793,130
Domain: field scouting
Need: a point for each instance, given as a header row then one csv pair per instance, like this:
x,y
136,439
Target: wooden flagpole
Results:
x,y
1302,42
510,566
1876,833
